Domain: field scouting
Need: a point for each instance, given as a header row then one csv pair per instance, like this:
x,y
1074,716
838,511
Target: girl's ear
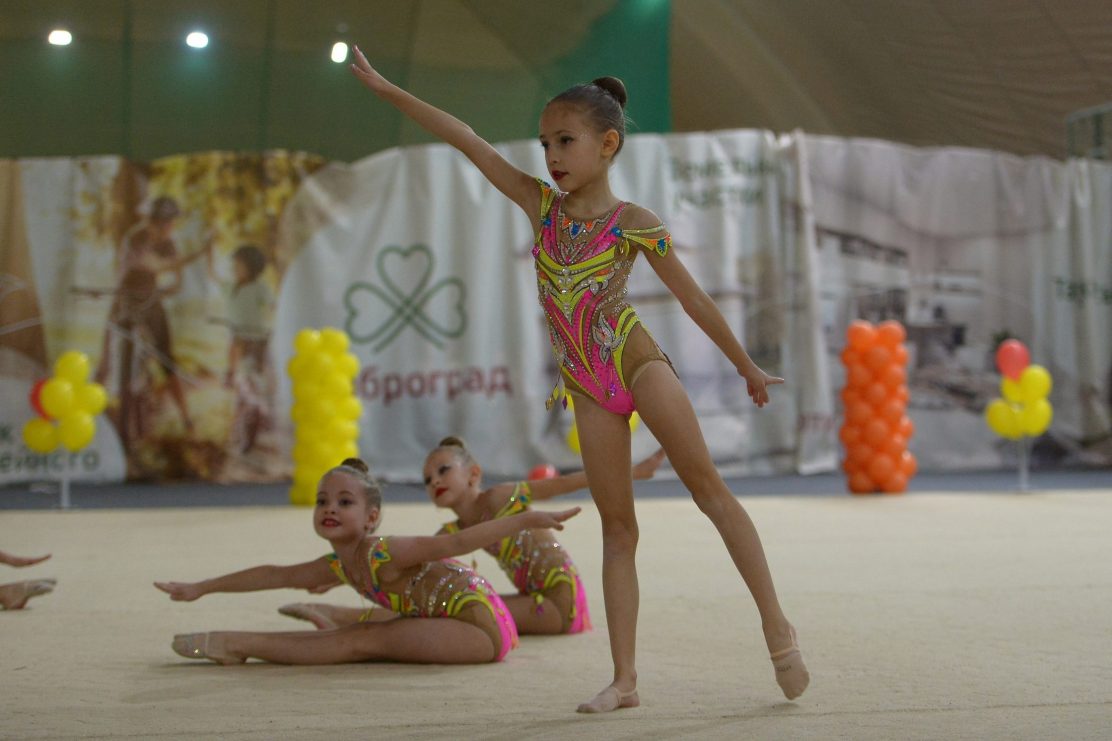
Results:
x,y
373,518
475,475
610,142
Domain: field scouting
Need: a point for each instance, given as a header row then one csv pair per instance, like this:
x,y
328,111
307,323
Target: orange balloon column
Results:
x,y
876,428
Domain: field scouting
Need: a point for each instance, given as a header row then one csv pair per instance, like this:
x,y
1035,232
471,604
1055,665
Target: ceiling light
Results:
x,y
60,37
197,40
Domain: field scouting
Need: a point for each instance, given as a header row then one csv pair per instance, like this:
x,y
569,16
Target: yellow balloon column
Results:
x,y
325,409
1024,410
66,406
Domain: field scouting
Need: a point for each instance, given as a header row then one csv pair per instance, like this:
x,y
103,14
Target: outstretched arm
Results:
x,y
298,576
516,185
566,484
409,551
703,311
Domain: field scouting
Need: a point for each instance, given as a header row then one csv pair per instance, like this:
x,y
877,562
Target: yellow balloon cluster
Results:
x,y
325,407
69,399
573,433
1024,409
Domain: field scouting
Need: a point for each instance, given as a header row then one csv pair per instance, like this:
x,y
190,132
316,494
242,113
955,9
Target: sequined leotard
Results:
x,y
440,589
535,562
582,269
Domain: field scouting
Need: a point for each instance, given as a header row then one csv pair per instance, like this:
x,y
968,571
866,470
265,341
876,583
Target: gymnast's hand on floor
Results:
x,y
180,591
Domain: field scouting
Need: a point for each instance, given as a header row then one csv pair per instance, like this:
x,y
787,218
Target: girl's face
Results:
x,y
242,272
574,152
448,479
342,512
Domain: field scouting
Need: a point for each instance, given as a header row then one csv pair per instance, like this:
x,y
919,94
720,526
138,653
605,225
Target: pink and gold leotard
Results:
x,y
439,589
582,269
536,563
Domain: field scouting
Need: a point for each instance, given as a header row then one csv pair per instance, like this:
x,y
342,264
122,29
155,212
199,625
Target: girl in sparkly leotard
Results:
x,y
437,610
586,241
550,596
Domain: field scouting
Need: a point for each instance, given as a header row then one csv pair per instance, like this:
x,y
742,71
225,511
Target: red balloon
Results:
x,y
543,471
1011,358
35,398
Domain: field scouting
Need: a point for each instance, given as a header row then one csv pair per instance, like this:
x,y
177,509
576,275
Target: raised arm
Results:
x,y
306,575
516,185
19,561
703,311
409,551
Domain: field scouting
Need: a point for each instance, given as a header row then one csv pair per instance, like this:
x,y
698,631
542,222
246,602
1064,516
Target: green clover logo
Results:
x,y
378,314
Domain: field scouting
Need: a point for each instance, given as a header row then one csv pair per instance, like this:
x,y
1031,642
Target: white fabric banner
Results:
x,y
429,270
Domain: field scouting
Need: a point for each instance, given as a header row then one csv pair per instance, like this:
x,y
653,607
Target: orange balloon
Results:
x,y
877,358
876,393
876,433
850,435
858,413
850,355
861,334
860,483
860,454
902,393
907,464
849,395
899,355
894,484
892,411
858,376
895,446
905,427
850,466
892,375
891,332
881,467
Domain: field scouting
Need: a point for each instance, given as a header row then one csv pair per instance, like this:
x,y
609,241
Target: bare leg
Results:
x,y
551,617
328,617
15,595
665,408
604,442
409,640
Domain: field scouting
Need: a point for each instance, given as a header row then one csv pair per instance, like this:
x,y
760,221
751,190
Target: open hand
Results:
x,y
20,561
646,468
180,591
367,74
554,520
757,383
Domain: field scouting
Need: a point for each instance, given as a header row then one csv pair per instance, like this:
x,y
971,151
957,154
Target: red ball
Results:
x,y
543,471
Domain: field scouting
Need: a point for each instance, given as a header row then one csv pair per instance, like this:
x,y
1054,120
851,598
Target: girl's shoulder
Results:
x,y
639,217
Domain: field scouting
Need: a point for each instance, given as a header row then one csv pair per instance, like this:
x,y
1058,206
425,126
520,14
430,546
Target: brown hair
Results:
x,y
361,472
458,448
603,100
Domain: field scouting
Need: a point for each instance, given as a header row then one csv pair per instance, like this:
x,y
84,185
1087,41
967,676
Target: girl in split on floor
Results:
x,y
550,598
426,608
14,596
586,241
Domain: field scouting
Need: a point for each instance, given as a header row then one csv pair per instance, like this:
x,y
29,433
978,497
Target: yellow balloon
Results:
x,y
348,364
90,398
336,384
307,341
1010,390
1034,383
334,341
76,430
40,435
1003,419
573,439
349,408
1035,417
57,397
302,495
72,366
348,450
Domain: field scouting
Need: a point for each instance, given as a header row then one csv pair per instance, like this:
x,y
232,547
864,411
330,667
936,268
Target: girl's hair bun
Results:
x,y
452,442
615,87
357,463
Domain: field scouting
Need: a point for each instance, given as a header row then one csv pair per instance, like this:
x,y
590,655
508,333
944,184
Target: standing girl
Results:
x,y
586,243
411,576
550,598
